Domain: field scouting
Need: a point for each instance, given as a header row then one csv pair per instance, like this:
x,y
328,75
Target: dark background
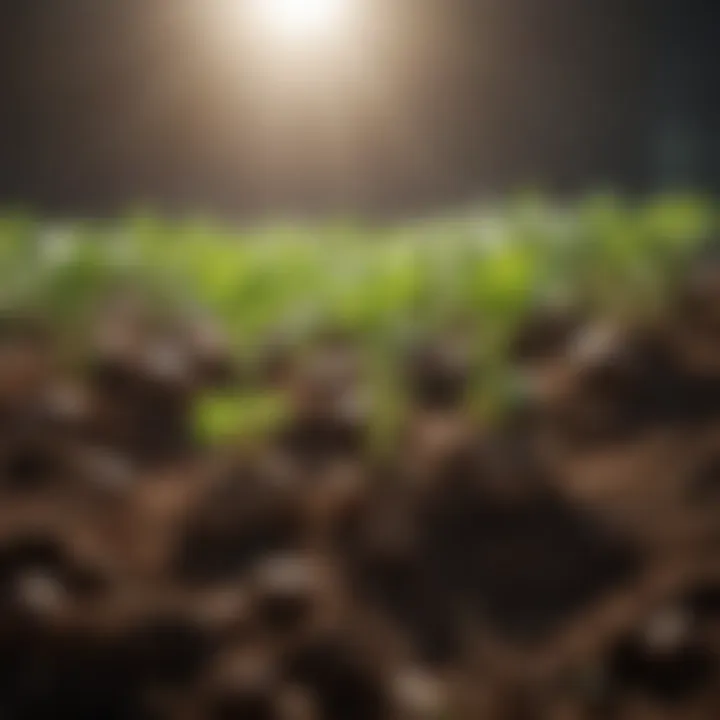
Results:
x,y
109,103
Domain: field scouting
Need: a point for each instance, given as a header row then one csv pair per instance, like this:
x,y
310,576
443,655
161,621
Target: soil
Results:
x,y
562,562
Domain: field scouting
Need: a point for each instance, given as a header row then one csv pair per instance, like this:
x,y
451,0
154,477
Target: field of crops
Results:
x,y
455,468
477,273
490,263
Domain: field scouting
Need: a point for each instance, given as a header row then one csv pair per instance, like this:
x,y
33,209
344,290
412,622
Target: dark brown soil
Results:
x,y
563,563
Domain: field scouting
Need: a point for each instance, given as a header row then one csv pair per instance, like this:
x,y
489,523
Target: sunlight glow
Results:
x,y
302,20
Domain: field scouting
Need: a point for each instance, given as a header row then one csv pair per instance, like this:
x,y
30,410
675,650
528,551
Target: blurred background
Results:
x,y
359,360
396,106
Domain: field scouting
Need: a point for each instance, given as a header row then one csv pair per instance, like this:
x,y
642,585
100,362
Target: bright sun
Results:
x,y
302,19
